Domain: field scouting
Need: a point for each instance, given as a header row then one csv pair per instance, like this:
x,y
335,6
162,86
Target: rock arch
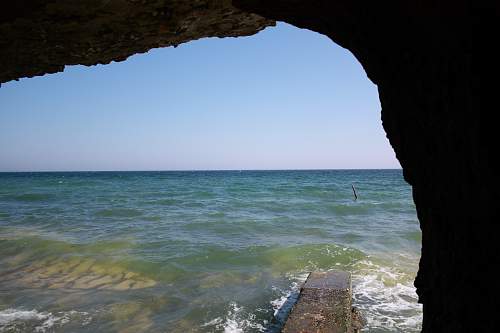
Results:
x,y
430,60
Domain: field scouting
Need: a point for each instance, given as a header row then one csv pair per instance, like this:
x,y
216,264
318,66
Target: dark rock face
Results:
x,y
431,61
42,36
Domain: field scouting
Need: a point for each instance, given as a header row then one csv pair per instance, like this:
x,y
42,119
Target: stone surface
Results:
x,y
324,305
42,36
433,63
358,320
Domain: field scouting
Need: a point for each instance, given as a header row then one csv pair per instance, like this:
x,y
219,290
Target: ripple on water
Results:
x,y
30,197
119,212
168,202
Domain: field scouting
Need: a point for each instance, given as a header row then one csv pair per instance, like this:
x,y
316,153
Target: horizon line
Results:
x,y
200,170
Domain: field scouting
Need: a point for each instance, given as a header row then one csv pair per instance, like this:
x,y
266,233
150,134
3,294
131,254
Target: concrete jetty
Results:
x,y
324,305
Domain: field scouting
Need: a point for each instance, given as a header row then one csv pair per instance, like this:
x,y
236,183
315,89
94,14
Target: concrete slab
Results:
x,y
324,305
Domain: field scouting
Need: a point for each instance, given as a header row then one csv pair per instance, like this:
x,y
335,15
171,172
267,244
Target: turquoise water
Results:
x,y
220,251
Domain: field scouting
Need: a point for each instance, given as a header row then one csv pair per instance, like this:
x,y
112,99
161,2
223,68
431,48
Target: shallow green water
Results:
x,y
200,251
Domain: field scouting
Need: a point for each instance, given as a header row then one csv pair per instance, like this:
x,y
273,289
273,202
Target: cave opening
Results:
x,y
431,61
94,114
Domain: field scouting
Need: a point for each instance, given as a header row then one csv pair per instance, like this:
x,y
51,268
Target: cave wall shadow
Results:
x,y
430,63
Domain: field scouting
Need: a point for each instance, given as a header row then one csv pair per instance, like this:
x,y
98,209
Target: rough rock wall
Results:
x,y
42,36
430,60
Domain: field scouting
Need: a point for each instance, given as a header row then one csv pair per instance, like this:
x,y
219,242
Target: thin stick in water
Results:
x,y
354,191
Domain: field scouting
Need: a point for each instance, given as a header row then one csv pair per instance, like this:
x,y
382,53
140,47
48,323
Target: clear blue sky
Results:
x,y
283,99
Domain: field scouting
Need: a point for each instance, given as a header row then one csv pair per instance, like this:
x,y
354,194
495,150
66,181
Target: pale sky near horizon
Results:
x,y
285,98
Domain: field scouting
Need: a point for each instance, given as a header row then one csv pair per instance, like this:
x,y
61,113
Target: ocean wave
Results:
x,y
237,320
270,318
386,298
288,297
383,294
276,259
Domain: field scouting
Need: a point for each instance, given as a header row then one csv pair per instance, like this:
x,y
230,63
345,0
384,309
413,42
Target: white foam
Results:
x,y
10,315
40,321
386,298
214,322
236,321
231,325
284,303
277,303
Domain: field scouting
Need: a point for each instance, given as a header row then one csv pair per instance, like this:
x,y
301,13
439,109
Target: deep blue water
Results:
x,y
215,251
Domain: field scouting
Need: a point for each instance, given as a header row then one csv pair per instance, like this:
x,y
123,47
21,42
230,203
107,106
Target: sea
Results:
x,y
201,251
